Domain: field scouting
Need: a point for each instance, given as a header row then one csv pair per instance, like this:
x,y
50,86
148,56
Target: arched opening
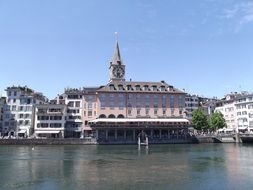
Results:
x,y
120,116
111,116
102,116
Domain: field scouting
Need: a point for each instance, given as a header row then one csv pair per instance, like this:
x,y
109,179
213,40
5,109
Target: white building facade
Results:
x,y
18,118
50,120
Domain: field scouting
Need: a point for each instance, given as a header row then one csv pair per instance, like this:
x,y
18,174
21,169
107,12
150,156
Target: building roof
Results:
x,y
161,87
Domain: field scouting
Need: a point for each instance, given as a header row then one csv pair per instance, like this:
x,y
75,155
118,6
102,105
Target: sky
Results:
x,y
202,46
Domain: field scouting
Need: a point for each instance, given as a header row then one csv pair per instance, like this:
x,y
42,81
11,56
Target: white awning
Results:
x,y
144,120
47,132
22,131
242,128
220,130
229,129
87,129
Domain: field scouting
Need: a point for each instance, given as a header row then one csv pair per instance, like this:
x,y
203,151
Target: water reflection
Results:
x,y
213,166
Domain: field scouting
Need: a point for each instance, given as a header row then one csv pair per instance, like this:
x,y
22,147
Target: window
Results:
x,y
162,88
172,101
9,93
129,112
14,100
120,87
121,105
154,88
111,105
250,106
111,87
21,108
102,105
78,104
138,112
146,87
13,108
84,113
129,87
89,105
147,111
28,101
244,113
181,101
155,112
164,112
137,87
71,104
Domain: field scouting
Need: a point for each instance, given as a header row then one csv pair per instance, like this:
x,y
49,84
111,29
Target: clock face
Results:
x,y
118,72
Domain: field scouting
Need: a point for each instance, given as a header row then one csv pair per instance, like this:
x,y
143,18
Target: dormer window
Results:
x,y
162,88
129,87
146,87
112,87
154,88
120,87
170,88
137,88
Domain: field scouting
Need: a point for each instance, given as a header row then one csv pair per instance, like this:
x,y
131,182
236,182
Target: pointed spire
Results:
x,y
116,59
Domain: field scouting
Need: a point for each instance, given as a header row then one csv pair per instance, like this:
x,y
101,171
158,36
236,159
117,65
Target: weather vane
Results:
x,y
116,35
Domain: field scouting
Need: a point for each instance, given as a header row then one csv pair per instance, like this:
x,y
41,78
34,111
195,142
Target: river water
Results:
x,y
198,166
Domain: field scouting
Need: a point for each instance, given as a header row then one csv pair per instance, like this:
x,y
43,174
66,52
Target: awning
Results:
x,y
220,130
87,129
229,129
242,128
22,131
144,120
47,132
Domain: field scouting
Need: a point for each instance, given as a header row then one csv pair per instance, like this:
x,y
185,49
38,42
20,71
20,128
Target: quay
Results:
x,y
186,139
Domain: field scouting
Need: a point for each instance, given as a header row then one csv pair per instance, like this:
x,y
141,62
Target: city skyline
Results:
x,y
203,47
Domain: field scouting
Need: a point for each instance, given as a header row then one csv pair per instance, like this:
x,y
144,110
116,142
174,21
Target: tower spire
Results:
x,y
116,59
117,68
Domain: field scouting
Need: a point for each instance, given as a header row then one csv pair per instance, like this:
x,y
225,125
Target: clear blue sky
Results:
x,y
203,46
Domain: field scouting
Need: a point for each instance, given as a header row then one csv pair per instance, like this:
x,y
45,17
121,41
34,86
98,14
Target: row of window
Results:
x,y
244,106
24,122
17,108
245,99
139,88
42,117
147,112
51,125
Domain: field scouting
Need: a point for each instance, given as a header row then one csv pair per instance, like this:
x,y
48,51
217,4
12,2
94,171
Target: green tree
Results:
x,y
217,121
199,120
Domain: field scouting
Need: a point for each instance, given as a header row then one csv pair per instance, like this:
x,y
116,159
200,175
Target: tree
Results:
x,y
199,120
217,121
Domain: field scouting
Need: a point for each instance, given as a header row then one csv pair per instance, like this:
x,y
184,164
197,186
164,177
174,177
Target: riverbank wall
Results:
x,y
47,142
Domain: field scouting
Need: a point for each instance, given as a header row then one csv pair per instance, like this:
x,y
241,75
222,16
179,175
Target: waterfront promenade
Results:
x,y
193,139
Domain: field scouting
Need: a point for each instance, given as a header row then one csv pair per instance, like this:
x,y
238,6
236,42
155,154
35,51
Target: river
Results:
x,y
196,166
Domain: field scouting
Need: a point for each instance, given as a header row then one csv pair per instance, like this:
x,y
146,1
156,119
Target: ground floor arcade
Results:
x,y
125,131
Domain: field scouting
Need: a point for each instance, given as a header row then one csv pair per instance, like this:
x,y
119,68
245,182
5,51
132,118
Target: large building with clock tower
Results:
x,y
127,108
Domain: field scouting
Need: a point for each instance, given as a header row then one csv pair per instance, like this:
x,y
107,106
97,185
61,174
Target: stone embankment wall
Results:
x,y
46,142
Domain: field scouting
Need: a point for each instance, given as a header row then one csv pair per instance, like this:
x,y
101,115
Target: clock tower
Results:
x,y
117,68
